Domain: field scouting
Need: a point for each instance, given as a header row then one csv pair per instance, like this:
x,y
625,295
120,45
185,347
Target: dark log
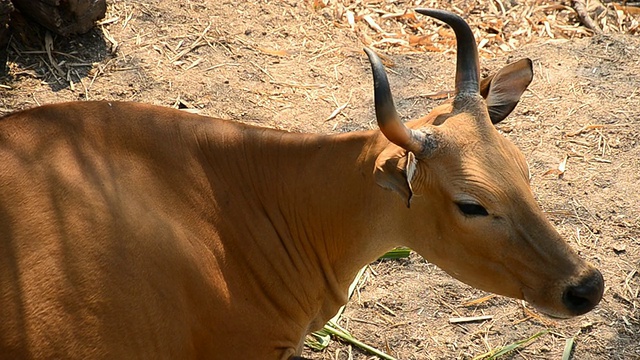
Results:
x,y
6,8
64,17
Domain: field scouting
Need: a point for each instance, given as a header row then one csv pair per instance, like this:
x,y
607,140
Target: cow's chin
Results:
x,y
545,310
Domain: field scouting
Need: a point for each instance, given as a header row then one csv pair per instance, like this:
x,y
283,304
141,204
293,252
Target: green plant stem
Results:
x,y
350,339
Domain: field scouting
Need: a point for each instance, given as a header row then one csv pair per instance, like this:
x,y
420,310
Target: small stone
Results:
x,y
619,248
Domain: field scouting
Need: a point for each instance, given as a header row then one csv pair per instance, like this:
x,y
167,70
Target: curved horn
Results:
x,y
388,120
467,64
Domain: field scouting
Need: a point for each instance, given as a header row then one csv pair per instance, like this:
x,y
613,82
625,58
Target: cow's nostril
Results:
x,y
581,298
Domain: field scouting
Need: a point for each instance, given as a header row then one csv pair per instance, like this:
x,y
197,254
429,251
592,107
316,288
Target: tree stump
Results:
x,y
64,17
6,8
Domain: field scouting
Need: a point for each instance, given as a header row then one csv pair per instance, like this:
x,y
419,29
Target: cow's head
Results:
x,y
471,211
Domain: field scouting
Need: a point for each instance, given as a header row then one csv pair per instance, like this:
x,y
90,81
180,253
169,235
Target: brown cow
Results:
x,y
136,231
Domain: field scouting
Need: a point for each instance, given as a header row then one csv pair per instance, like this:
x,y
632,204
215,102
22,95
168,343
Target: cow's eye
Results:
x,y
472,209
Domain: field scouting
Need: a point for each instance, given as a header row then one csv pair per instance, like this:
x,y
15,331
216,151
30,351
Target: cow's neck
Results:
x,y
318,194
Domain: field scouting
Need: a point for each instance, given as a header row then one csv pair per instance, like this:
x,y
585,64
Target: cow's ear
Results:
x,y
503,89
395,169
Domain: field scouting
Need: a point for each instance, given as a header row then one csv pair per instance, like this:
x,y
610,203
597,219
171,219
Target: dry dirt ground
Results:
x,y
289,64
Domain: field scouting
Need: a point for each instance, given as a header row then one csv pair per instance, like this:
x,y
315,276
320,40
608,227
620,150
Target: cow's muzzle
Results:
x,y
585,295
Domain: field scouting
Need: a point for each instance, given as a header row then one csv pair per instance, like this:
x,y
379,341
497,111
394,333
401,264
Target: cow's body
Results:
x,y
184,236
134,231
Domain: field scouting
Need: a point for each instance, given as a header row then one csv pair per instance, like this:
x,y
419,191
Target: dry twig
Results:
x,y
581,9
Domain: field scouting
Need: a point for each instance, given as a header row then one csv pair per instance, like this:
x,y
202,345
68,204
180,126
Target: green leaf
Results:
x,y
312,340
568,347
495,353
397,253
336,330
319,340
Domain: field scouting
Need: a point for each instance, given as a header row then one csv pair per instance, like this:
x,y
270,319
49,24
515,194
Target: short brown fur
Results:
x,y
136,231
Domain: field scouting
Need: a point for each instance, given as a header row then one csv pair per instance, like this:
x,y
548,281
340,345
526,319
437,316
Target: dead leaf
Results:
x,y
584,129
627,9
386,61
479,300
415,40
401,16
553,172
560,170
319,4
351,19
372,23
445,94
563,164
446,33
433,48
48,46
